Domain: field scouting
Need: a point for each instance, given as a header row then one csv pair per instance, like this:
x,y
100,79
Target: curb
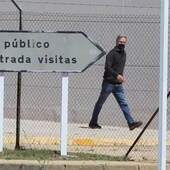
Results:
x,y
77,165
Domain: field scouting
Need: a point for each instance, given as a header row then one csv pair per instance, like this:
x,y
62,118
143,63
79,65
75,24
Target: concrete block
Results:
x,y
31,167
168,166
148,167
121,167
50,167
153,166
84,167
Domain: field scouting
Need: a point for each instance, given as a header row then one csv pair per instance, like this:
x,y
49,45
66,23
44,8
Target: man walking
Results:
x,y
112,83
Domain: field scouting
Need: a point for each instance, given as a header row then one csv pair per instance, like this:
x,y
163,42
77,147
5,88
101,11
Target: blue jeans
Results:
x,y
119,94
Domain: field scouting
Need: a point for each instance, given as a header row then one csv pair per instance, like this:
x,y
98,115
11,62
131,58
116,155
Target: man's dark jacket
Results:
x,y
114,65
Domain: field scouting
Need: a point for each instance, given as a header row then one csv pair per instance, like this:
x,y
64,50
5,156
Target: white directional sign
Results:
x,y
47,51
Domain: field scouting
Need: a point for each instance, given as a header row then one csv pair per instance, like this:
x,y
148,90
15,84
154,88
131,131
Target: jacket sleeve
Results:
x,y
109,64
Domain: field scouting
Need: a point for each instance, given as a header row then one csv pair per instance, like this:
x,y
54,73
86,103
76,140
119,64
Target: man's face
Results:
x,y
122,41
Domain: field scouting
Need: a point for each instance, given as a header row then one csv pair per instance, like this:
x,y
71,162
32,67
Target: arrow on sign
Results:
x,y
47,51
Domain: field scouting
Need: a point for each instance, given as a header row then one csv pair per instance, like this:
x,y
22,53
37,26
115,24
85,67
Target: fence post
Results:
x,y
1,111
18,116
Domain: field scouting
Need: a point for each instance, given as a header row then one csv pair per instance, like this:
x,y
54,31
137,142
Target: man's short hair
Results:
x,y
119,37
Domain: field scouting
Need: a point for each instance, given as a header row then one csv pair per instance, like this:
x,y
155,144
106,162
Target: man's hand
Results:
x,y
120,78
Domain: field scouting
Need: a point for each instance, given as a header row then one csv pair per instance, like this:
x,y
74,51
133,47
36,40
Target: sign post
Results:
x,y
64,114
64,52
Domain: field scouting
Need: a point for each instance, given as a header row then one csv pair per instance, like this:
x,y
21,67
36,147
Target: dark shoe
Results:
x,y
135,125
94,126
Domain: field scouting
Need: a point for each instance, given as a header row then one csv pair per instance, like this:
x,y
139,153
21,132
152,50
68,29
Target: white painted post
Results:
x,y
163,85
64,114
1,111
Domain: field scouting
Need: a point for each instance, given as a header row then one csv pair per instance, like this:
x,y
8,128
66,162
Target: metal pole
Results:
x,y
163,85
64,114
143,130
17,146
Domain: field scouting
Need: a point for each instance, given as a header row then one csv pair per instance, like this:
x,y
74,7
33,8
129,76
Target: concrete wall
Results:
x,y
102,21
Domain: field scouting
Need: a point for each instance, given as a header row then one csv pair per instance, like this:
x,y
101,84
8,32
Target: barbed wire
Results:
x,y
83,4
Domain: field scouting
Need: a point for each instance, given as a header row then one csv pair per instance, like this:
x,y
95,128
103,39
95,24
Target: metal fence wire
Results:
x,y
41,92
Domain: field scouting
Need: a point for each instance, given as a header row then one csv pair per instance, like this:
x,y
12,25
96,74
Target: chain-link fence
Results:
x,y
41,92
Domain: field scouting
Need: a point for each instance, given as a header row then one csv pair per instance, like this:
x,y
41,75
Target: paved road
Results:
x,y
108,140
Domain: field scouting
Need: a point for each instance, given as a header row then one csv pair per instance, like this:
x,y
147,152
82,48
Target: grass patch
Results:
x,y
28,154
